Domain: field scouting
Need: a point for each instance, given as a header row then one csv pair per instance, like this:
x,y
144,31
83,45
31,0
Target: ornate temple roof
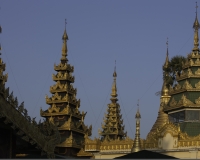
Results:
x,y
64,106
113,127
186,93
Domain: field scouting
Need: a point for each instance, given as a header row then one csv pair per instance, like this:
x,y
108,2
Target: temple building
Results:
x,y
176,131
64,107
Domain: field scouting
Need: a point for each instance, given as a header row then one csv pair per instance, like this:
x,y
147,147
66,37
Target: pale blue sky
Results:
x,y
133,33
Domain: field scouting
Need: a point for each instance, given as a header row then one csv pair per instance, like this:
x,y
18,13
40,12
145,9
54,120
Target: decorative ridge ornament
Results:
x,y
187,85
185,101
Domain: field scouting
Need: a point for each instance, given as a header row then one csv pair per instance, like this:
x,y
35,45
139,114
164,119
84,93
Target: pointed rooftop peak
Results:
x,y
114,86
167,56
64,47
115,73
196,23
138,111
65,36
196,27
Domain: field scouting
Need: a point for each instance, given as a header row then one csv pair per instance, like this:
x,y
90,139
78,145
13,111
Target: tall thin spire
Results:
x,y
137,144
114,86
165,91
196,27
64,47
167,57
164,99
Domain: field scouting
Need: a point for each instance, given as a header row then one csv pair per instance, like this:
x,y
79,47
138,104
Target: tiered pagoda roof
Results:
x,y
113,128
64,107
184,104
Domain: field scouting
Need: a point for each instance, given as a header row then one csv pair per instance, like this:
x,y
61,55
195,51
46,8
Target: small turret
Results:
x,y
137,143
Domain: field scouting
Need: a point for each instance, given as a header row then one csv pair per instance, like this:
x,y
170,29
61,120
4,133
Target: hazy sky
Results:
x,y
133,33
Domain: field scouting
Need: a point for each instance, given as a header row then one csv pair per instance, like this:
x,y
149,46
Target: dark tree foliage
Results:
x,y
175,66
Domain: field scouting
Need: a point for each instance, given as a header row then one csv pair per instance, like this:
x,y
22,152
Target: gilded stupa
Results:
x,y
164,98
64,107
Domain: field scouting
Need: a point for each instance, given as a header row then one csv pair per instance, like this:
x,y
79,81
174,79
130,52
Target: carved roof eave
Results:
x,y
121,142
188,66
186,77
184,90
185,137
47,114
71,79
65,67
49,101
89,141
193,55
62,90
84,153
111,133
71,128
170,108
69,142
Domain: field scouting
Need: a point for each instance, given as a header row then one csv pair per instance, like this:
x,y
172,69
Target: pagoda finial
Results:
x,y
64,47
167,56
114,86
165,90
196,27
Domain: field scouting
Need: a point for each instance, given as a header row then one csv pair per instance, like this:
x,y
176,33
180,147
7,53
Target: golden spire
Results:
x,y
167,58
137,144
164,99
64,47
165,90
196,27
114,86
